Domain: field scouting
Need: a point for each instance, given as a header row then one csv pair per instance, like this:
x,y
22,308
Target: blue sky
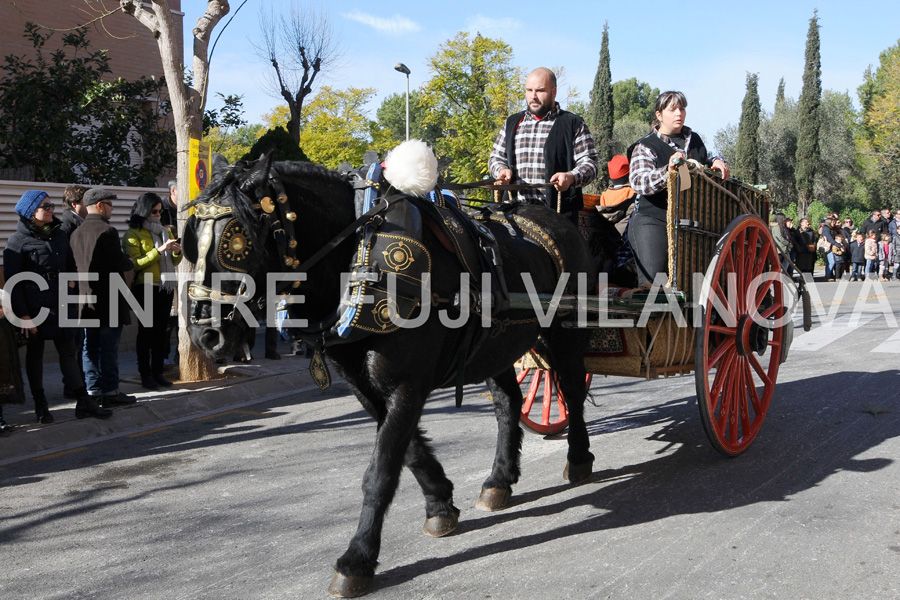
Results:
x,y
704,49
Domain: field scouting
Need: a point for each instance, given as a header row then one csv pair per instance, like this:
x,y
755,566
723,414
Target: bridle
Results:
x,y
275,219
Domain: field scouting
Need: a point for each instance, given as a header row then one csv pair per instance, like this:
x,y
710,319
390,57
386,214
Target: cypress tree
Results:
x,y
747,162
600,118
779,95
808,135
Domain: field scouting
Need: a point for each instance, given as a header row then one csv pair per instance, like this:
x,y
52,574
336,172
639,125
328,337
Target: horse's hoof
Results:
x,y
578,473
350,586
441,525
492,499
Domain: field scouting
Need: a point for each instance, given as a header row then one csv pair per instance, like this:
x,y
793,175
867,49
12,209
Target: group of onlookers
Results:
x,y
81,239
869,250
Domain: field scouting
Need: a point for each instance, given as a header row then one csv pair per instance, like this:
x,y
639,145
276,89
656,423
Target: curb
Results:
x,y
242,386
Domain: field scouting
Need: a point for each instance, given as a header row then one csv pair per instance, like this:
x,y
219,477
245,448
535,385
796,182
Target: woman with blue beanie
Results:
x,y
40,249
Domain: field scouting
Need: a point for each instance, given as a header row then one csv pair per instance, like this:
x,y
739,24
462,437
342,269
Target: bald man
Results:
x,y
545,144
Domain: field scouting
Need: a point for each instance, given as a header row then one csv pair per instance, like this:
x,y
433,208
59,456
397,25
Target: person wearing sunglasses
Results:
x,y
40,246
155,251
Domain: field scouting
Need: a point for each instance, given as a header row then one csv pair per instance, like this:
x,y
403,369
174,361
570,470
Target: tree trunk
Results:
x,y
188,104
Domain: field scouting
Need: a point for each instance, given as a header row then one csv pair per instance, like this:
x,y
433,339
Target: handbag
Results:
x,y
823,245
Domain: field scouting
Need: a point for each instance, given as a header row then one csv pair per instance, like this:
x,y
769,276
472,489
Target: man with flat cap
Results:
x,y
103,313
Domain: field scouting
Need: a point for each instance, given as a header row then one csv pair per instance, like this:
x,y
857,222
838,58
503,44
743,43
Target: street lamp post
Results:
x,y
405,70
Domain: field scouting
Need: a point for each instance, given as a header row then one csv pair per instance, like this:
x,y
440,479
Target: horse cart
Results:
x,y
724,314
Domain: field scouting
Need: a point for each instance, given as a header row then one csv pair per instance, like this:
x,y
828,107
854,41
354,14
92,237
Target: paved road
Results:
x,y
258,501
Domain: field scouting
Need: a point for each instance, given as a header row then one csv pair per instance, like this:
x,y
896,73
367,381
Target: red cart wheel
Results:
x,y
739,341
550,415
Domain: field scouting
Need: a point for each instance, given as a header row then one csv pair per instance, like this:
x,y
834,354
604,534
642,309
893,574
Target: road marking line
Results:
x,y
231,412
823,335
60,453
148,432
890,345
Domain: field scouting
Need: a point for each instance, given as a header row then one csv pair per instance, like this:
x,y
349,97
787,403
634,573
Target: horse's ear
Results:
x,y
257,174
219,163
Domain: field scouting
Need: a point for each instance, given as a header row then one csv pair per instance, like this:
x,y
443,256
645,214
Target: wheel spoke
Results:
x,y
720,350
536,378
761,294
754,397
726,304
520,377
547,399
747,385
759,370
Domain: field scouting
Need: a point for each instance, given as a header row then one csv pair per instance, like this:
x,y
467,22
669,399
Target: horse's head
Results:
x,y
244,227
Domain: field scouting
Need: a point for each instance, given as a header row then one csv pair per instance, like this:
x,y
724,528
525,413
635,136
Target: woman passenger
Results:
x,y
651,157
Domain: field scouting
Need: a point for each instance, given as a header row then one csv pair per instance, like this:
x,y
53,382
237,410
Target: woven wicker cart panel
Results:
x,y
697,218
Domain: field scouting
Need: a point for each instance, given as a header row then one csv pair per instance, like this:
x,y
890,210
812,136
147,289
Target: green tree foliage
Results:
x,y
633,99
726,141
234,144
474,88
59,116
600,115
746,164
808,133
391,116
334,127
879,139
778,133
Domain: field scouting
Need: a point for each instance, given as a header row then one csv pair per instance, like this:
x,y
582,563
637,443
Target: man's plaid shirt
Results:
x,y
530,138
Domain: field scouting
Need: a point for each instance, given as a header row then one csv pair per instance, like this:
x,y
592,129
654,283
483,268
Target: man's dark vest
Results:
x,y
655,205
559,156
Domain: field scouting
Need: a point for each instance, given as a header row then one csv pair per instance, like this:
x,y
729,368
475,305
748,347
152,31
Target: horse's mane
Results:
x,y
236,181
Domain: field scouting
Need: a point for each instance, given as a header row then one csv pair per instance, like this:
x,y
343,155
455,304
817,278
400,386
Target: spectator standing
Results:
x,y
12,388
894,225
98,251
72,216
885,258
782,238
826,230
40,246
871,253
806,254
169,218
841,256
155,252
874,223
858,257
848,229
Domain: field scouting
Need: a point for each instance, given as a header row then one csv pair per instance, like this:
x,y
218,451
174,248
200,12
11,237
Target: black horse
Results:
x,y
248,221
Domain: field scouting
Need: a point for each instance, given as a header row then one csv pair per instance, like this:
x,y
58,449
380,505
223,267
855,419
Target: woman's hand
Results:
x,y
171,244
675,160
719,165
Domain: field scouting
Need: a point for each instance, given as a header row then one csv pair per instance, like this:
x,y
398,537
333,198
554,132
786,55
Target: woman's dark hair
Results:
x,y
666,98
141,209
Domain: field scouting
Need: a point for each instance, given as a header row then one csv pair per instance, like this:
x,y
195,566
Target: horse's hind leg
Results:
x,y
441,517
568,363
507,396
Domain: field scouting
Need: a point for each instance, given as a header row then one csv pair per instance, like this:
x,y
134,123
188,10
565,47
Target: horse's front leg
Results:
x,y
507,398
355,570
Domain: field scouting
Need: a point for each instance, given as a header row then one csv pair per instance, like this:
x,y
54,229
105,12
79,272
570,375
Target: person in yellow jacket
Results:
x,y
156,252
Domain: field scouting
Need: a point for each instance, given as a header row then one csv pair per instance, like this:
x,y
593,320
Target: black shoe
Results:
x,y
116,400
150,383
162,381
271,355
88,406
5,428
42,412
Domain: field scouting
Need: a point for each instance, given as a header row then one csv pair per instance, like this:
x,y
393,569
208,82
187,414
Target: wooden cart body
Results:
x,y
733,329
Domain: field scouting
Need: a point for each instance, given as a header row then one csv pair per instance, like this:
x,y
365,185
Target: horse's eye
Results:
x,y
234,247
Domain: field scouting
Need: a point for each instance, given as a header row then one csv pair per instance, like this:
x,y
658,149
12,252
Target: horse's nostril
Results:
x,y
210,340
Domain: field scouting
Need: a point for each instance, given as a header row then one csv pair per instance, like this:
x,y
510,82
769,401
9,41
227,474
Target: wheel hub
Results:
x,y
751,336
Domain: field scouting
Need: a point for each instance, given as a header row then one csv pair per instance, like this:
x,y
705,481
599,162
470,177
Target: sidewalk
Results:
x,y
239,383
